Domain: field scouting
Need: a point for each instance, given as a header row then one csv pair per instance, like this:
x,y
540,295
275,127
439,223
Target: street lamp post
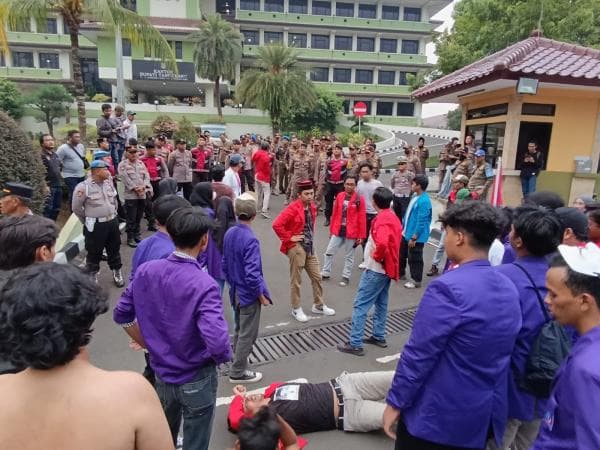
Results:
x,y
156,105
239,108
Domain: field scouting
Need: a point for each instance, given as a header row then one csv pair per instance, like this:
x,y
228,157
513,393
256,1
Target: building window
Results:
x,y
367,11
319,41
388,45
390,12
298,6
386,77
344,9
49,26
126,45
320,8
364,76
273,37
385,108
410,47
346,106
538,109
131,5
412,14
319,74
274,5
297,40
342,75
225,7
405,109
251,37
343,42
22,59
365,44
49,60
368,103
488,111
250,5
403,81
177,47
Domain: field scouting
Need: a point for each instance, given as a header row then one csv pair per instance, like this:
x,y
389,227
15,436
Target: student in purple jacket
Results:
x,y
536,232
174,309
450,386
571,418
248,293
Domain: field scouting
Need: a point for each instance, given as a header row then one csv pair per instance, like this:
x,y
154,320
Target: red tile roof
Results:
x,y
535,57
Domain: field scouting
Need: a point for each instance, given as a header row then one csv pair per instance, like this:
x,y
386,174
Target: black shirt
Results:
x,y
307,242
307,407
52,165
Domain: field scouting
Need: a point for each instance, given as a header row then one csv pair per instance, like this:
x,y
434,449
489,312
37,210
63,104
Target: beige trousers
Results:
x,y
299,261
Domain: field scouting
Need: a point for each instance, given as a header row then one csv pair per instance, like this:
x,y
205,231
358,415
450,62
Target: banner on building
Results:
x,y
157,71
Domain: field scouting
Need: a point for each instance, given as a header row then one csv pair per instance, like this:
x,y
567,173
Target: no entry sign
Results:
x,y
360,109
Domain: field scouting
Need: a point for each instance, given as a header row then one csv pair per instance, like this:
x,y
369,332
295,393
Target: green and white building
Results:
x,y
362,50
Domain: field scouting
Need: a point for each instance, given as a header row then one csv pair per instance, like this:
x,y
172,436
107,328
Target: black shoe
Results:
x,y
248,376
347,348
137,238
152,228
326,224
371,340
131,242
433,271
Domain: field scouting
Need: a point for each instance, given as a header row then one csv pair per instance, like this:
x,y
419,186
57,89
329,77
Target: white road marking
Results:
x,y
280,324
227,400
387,359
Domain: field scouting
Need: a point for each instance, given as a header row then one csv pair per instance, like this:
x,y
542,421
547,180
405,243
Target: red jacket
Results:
x,y
291,222
356,216
386,231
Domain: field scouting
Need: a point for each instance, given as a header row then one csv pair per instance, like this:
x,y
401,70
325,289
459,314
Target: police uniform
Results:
x,y
352,165
376,163
320,165
481,180
95,205
135,175
464,167
281,155
301,168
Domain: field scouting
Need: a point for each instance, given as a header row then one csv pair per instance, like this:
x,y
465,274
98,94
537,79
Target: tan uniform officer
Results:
x,y
301,168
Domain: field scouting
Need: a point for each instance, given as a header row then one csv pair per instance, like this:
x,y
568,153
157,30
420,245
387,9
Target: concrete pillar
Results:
x,y
209,96
262,5
418,111
286,6
354,41
309,6
308,40
330,79
378,12
376,75
285,37
356,9
332,41
395,109
596,144
352,75
261,37
36,60
377,43
238,75
511,133
142,98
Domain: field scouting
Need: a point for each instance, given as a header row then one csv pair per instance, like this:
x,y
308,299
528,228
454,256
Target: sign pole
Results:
x,y
359,125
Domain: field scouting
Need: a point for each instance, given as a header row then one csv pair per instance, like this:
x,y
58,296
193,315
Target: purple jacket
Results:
x,y
571,419
180,314
451,381
242,266
521,404
211,259
157,246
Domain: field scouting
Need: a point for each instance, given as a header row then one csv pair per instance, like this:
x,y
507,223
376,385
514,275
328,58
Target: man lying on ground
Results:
x,y
266,431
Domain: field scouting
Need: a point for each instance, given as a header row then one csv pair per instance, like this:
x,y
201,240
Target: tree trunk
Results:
x,y
217,94
50,124
73,24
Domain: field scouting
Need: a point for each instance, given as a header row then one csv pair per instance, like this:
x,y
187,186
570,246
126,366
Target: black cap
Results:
x,y
180,141
18,189
574,219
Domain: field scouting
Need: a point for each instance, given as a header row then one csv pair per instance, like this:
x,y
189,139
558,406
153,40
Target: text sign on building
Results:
x,y
157,71
360,109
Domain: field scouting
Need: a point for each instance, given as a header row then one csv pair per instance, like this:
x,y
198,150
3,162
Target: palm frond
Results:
x,y
17,13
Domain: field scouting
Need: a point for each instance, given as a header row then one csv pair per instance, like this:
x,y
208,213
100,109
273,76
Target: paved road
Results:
x,y
109,347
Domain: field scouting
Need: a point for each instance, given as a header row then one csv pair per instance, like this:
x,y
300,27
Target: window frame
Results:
x,y
54,58
15,55
298,6
410,42
253,33
345,5
335,42
359,72
405,103
303,40
319,70
389,8
371,9
388,40
272,41
412,12
321,7
387,104
255,5
344,70
360,39
387,73
318,38
276,5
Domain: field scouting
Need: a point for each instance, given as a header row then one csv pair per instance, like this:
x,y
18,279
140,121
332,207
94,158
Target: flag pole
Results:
x,y
497,182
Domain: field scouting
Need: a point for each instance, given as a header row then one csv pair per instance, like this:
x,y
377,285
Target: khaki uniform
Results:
x,y
465,167
133,176
481,180
377,164
413,164
225,149
320,165
180,166
401,187
301,168
281,155
353,163
423,155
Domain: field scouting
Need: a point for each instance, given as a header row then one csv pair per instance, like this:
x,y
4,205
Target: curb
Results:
x,y
72,249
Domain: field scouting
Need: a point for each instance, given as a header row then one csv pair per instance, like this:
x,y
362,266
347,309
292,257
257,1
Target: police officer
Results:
x,y
15,199
95,204
301,168
482,177
372,158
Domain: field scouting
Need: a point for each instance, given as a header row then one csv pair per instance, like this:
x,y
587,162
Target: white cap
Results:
x,y
585,260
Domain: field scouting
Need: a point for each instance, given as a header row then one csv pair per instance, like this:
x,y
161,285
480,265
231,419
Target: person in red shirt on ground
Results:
x,y
336,170
348,228
263,160
382,264
295,227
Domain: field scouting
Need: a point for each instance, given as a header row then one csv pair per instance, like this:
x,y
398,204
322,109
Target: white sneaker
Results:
x,y
362,265
299,315
248,376
324,309
412,285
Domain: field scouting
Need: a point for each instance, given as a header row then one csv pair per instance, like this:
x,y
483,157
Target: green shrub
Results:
x,y
11,99
101,98
144,133
164,124
186,131
20,161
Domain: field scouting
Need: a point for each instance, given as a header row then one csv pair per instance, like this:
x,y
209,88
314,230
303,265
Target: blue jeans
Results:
x,y
194,400
528,185
116,152
373,289
53,202
335,242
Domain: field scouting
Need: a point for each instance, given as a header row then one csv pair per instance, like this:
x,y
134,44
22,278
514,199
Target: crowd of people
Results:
x,y
519,286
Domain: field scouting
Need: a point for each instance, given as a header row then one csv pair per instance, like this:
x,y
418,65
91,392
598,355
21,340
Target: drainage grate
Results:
x,y
271,348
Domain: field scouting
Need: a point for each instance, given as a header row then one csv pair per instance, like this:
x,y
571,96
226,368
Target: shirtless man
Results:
x,y
60,400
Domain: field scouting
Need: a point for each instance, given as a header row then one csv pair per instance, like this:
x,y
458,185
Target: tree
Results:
x,y
276,83
454,119
218,50
19,161
163,124
482,27
186,131
17,13
50,100
11,100
324,113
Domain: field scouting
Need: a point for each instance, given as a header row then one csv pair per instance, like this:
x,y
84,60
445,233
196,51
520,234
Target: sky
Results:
x,y
434,109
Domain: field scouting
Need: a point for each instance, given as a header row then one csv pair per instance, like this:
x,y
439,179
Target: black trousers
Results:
x,y
414,256
105,235
370,218
331,191
247,180
148,212
135,211
187,189
406,441
400,206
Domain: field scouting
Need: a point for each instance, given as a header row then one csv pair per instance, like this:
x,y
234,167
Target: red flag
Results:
x,y
496,199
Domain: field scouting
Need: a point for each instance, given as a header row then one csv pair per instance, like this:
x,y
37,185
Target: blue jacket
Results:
x,y
242,266
418,222
521,404
451,380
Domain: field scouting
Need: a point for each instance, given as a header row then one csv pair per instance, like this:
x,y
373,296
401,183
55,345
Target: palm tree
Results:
x,y
15,13
218,50
276,83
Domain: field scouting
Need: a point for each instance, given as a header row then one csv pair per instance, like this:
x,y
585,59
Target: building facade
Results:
x,y
363,50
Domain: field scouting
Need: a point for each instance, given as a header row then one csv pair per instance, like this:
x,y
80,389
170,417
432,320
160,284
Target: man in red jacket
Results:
x,y
348,228
295,227
382,265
